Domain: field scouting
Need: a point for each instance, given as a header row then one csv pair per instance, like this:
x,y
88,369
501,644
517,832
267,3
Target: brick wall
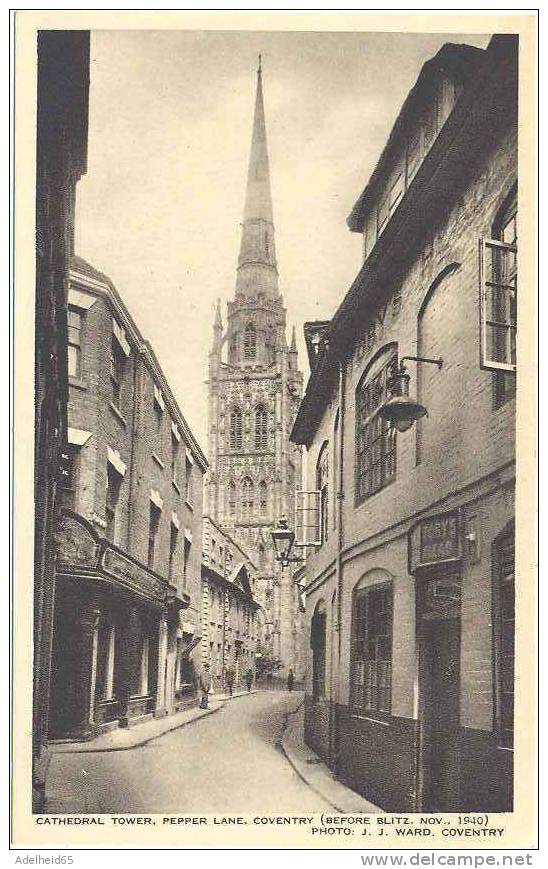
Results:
x,y
142,435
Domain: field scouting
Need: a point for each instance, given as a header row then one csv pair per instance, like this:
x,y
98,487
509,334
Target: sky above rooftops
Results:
x,y
160,208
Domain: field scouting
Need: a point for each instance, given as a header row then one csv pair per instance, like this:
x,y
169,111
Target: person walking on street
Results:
x,y
249,680
205,686
229,676
290,680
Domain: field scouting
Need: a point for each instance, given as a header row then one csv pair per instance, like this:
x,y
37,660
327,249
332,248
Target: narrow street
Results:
x,y
230,762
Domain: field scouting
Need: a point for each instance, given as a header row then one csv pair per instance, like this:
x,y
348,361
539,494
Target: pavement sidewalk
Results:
x,y
123,738
64,794
317,775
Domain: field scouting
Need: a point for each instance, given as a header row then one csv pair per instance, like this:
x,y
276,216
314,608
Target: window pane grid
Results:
x,y
371,670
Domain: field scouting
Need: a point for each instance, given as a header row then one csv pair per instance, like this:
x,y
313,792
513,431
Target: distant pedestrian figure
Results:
x,y
249,679
205,686
290,680
229,677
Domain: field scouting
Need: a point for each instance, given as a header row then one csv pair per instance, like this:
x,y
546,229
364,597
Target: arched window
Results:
x,y
375,437
371,644
263,498
232,499
317,642
261,434
235,429
250,341
233,349
322,484
247,498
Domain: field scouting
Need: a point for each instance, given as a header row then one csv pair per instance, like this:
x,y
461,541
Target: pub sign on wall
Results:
x,y
435,540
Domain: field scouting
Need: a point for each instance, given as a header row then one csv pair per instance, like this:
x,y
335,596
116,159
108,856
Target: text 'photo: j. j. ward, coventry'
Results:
x,y
310,558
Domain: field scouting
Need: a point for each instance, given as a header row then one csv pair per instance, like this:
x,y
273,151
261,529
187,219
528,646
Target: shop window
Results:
x,y
504,573
317,642
235,429
106,654
371,650
74,326
144,666
375,437
250,342
322,485
114,482
261,434
153,525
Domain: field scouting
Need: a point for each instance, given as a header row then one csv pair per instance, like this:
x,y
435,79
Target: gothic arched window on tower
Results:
x,y
261,434
232,499
263,498
235,429
250,341
233,349
247,498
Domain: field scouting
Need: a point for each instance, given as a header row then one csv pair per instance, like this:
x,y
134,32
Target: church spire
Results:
x,y
257,270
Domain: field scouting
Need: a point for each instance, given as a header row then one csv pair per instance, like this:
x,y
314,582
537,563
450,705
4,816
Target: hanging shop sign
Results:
x,y
435,540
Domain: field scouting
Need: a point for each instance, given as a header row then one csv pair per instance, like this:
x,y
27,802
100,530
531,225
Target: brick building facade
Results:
x,y
61,159
255,387
128,587
410,596
231,622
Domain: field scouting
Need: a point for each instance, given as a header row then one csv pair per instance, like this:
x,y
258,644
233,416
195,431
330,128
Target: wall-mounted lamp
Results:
x,y
401,410
283,538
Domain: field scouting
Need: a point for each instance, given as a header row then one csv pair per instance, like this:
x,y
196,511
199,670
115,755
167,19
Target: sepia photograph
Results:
x,y
275,356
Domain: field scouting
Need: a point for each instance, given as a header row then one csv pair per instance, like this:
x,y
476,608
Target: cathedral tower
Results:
x,y
255,388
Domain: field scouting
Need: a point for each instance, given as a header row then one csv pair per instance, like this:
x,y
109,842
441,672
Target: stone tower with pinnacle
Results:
x,y
255,388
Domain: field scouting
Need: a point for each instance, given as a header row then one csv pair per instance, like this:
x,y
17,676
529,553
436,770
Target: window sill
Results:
x,y
368,718
158,461
77,383
118,414
176,487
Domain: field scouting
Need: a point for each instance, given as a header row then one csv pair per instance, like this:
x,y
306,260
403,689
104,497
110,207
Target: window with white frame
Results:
x,y
74,327
498,287
322,484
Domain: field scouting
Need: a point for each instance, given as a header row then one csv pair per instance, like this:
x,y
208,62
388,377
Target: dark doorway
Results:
x,y
65,713
439,688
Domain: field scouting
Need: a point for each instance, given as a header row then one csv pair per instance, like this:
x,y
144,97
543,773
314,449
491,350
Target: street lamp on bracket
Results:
x,y
401,410
283,539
